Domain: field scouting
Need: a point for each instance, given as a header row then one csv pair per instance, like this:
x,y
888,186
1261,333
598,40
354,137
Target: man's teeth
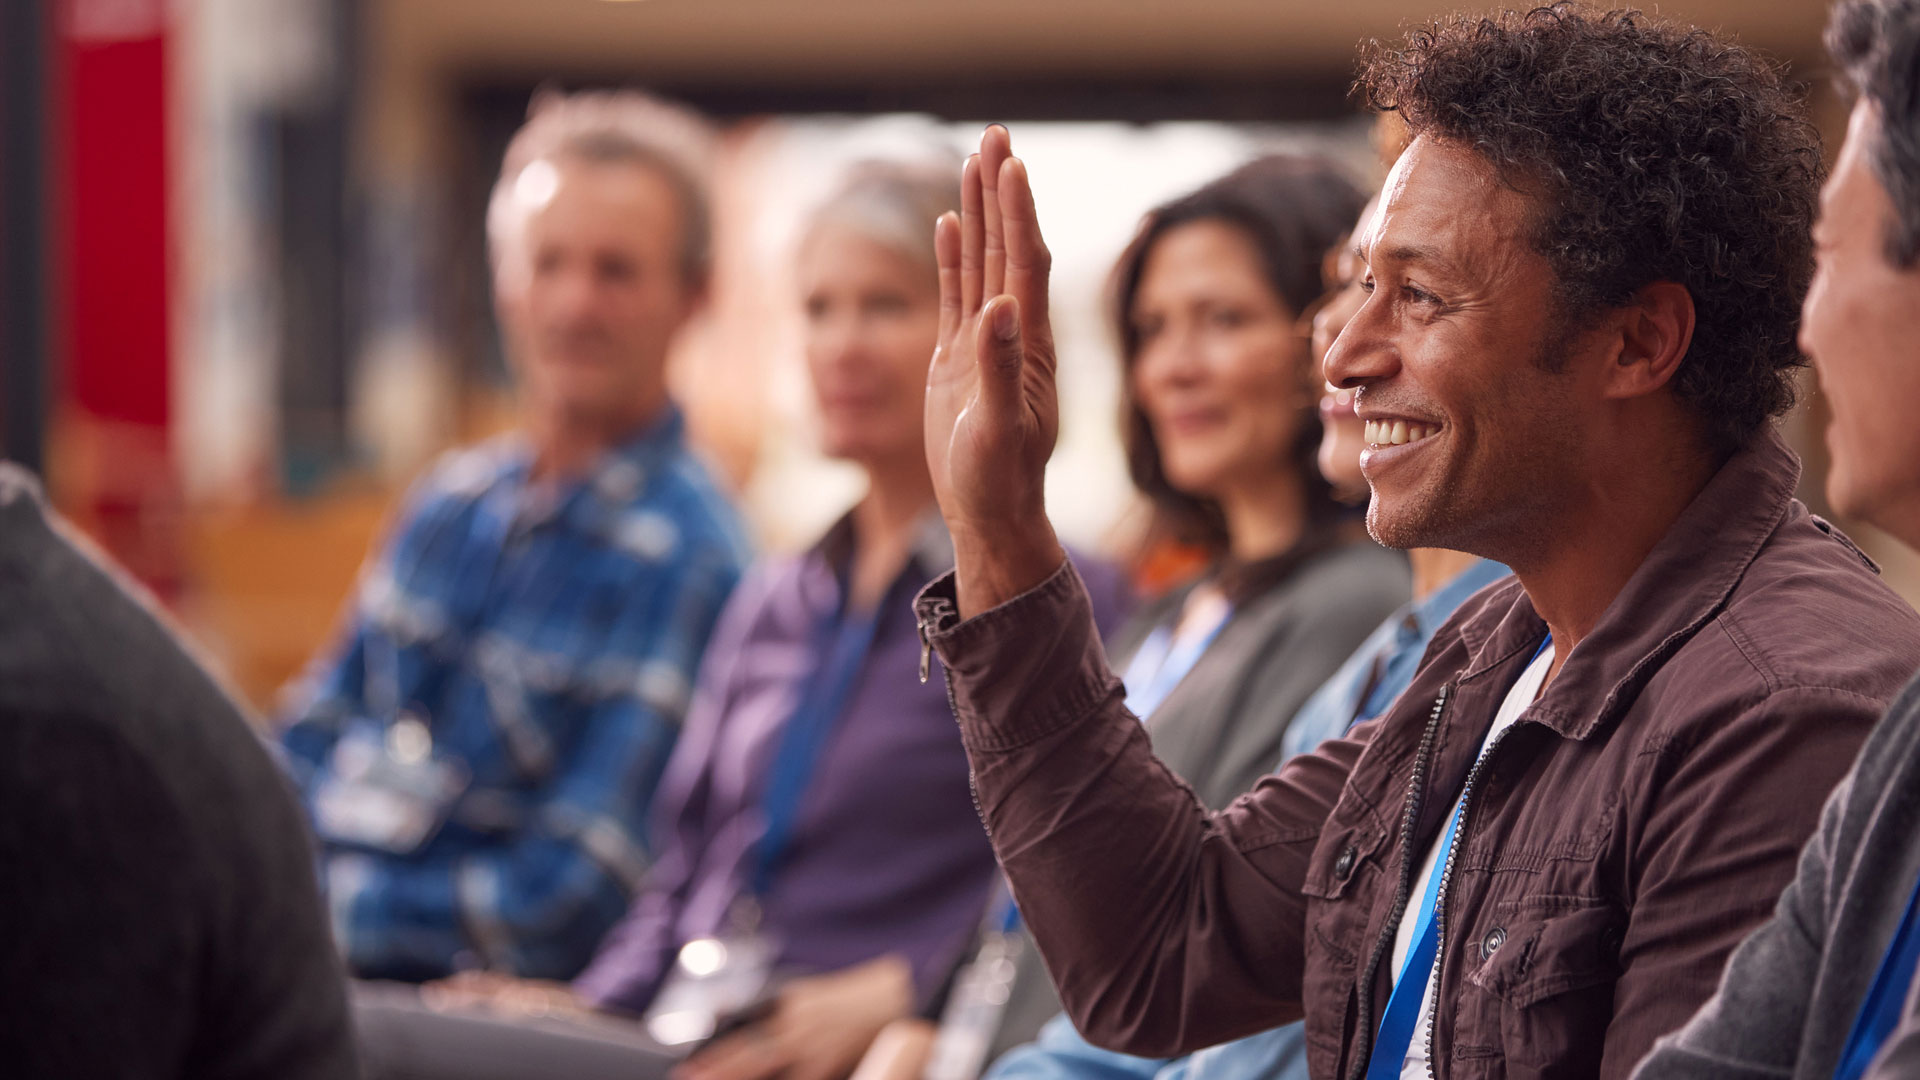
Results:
x,y
1397,432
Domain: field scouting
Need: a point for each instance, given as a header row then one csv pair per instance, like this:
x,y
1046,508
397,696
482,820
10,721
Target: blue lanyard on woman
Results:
x,y
849,637
1163,660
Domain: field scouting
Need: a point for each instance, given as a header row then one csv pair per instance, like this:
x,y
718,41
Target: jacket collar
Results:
x,y
1684,582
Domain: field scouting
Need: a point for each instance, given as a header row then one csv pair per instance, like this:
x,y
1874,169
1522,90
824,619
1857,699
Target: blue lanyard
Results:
x,y
805,739
1005,913
1158,665
1402,1017
1885,999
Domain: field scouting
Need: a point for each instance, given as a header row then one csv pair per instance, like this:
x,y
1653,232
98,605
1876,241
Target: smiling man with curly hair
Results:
x,y
1583,284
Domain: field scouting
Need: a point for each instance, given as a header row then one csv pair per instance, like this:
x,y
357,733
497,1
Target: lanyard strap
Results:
x,y
1004,911
1880,1011
805,738
1162,662
1403,1007
1402,1017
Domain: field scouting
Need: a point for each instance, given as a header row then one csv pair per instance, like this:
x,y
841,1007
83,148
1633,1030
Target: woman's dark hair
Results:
x,y
1293,208
1656,152
1877,45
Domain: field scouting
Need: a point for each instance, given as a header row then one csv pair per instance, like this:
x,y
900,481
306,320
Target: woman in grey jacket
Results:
x,y
1222,431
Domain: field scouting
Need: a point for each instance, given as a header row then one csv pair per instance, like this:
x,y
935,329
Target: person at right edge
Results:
x,y
1826,987
1585,276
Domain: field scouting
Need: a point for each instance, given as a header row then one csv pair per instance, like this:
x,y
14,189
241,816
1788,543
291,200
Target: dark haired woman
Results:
x,y
1222,431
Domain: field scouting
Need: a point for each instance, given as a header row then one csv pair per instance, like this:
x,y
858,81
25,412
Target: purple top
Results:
x,y
887,853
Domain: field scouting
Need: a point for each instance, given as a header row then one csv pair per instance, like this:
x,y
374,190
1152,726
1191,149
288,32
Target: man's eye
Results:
x,y
1366,285
1419,295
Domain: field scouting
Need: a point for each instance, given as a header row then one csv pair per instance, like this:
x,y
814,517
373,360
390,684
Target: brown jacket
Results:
x,y
1619,840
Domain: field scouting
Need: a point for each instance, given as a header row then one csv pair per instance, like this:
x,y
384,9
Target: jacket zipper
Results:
x,y
938,608
1446,888
1409,819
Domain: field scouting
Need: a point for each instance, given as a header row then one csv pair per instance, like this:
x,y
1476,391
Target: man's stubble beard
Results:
x,y
1504,508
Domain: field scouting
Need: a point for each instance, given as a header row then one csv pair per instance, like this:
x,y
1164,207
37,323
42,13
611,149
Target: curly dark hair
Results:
x,y
1877,45
1293,207
1656,152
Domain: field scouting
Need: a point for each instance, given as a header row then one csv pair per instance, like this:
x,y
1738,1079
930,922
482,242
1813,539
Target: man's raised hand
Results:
x,y
993,408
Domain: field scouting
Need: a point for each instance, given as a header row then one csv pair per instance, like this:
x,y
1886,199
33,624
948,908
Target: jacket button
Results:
x,y
1343,866
1495,938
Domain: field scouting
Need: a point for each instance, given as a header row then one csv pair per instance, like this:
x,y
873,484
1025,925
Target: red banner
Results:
x,y
112,449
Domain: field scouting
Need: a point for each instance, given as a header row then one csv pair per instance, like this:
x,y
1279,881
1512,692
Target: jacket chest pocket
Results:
x,y
1538,993
1345,875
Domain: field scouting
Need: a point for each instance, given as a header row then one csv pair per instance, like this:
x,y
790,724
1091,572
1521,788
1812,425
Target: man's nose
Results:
x,y
1361,353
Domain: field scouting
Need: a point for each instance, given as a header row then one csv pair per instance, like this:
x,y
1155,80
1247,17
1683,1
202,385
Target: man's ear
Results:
x,y
1656,329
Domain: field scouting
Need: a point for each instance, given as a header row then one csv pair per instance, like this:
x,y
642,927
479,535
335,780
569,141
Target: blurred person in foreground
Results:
x,y
821,866
156,875
1827,987
479,752
1221,427
1584,280
1363,688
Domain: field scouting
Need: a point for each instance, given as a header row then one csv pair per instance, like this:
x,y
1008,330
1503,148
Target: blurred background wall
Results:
x,y
244,293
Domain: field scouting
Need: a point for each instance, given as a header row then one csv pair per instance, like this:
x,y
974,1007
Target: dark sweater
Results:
x,y
158,913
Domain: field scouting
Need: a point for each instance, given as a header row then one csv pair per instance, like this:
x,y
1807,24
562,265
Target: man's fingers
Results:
x,y
946,253
1001,355
972,238
1028,261
995,146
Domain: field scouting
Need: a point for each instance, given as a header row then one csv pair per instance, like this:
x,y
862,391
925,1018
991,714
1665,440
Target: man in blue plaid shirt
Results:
x,y
479,752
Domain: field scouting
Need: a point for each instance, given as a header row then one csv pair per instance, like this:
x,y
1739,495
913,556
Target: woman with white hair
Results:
x,y
820,867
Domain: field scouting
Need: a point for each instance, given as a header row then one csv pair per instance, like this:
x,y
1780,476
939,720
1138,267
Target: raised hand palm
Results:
x,y
992,406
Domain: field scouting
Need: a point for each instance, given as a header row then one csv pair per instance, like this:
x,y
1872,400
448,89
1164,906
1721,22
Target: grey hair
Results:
x,y
892,203
609,127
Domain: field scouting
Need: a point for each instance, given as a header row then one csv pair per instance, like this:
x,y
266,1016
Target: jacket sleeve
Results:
x,y
1165,927
538,906
1722,841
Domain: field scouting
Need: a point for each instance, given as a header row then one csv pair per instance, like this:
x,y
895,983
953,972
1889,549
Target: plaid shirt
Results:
x,y
549,641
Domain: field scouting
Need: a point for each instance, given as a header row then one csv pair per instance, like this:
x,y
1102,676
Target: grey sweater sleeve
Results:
x,y
1900,1058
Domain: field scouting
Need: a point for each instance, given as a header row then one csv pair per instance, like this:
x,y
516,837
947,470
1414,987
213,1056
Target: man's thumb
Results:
x,y
1001,352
